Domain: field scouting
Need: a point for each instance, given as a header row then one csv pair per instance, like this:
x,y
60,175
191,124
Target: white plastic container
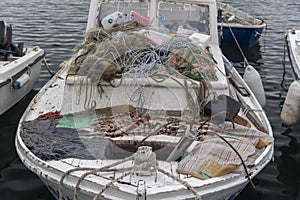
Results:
x,y
156,38
108,21
201,39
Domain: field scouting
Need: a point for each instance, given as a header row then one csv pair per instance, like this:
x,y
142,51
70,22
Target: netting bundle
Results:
x,y
189,59
128,51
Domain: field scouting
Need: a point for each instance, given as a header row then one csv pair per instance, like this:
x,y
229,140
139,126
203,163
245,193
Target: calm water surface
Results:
x,y
58,25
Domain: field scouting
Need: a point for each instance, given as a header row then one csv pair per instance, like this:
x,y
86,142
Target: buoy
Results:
x,y
21,81
290,112
253,80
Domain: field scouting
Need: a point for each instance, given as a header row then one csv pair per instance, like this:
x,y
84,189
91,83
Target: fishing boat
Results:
x,y
19,68
145,109
239,27
290,112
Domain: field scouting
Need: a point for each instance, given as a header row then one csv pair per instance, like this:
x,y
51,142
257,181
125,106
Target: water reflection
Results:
x,y
233,52
289,165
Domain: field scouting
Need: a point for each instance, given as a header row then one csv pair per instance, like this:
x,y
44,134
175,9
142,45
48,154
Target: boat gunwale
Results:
x,y
294,58
236,25
242,15
25,69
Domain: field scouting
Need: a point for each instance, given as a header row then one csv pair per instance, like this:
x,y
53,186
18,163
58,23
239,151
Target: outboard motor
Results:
x,y
6,46
5,35
5,39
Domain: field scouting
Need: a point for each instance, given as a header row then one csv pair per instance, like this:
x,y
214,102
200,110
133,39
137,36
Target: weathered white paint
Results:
x,y
8,69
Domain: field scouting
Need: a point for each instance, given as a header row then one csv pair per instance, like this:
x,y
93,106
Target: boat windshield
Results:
x,y
177,18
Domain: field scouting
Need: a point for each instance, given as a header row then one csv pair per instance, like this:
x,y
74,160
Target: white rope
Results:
x,y
145,163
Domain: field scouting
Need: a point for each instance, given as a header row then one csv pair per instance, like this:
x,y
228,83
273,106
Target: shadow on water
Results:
x,y
233,53
8,124
289,164
12,169
280,179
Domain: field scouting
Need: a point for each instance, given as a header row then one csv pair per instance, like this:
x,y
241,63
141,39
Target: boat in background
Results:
x,y
290,112
293,50
236,26
145,109
19,68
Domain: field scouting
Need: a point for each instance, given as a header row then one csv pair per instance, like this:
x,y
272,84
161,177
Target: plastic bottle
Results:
x,y
108,21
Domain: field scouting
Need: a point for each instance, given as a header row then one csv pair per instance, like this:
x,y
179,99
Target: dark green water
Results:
x,y
57,26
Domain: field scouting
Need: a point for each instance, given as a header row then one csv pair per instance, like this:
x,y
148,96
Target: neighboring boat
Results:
x,y
239,27
293,50
290,112
145,110
19,68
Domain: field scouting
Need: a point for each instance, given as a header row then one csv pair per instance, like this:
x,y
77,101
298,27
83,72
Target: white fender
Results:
x,y
21,81
290,112
252,78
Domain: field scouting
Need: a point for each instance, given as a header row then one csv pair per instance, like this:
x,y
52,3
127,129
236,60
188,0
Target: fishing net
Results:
x,y
109,54
189,59
125,54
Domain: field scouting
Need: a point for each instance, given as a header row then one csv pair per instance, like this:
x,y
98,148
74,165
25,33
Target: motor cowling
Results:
x,y
5,35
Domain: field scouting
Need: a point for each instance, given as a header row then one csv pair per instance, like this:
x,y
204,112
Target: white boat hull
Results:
x,y
228,188
29,64
290,112
228,194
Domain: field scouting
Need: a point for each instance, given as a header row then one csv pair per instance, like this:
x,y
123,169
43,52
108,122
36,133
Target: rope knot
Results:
x,y
144,161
